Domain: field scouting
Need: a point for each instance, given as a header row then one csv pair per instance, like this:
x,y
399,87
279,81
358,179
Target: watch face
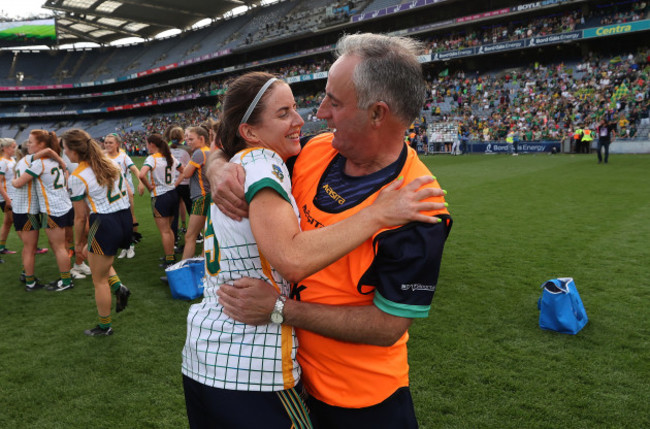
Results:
x,y
276,317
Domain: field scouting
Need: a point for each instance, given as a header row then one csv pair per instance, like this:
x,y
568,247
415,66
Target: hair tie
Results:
x,y
256,100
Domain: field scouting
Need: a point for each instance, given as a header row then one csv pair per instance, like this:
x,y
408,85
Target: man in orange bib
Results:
x,y
352,318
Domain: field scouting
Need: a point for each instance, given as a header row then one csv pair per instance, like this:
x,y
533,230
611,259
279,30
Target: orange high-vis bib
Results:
x,y
340,373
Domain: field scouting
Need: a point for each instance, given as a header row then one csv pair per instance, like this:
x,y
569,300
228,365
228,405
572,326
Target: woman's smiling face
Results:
x,y
280,124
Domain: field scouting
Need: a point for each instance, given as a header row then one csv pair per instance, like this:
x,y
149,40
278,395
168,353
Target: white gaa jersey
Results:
x,y
183,157
25,200
100,199
51,188
219,351
123,160
162,176
7,171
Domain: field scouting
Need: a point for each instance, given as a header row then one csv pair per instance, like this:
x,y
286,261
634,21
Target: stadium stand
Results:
x,y
544,96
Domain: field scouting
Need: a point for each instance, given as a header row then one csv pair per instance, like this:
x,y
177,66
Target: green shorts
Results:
x,y
200,206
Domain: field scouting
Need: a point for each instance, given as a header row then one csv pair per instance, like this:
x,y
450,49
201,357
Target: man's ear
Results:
x,y
378,112
247,132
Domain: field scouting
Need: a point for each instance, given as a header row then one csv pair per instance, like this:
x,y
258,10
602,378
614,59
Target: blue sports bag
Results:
x,y
186,278
560,307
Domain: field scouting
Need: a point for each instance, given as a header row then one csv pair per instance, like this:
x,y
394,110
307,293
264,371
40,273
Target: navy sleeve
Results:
x,y
405,270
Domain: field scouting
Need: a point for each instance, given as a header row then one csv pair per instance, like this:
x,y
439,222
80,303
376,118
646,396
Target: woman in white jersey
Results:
x,y
50,182
7,163
158,173
100,198
112,143
27,220
198,139
237,375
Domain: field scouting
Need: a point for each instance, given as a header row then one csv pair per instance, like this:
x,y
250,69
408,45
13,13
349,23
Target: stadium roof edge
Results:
x,y
105,21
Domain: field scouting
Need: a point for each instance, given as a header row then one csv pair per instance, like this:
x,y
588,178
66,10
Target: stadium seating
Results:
x,y
466,101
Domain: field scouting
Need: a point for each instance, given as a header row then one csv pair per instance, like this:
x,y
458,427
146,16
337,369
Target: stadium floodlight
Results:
x,y
100,33
112,22
135,26
83,27
108,6
78,4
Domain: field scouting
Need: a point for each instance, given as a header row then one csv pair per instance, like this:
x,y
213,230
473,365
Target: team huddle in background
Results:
x,y
80,191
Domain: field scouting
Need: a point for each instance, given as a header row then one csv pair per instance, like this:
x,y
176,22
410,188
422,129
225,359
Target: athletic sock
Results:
x,y
114,282
30,280
66,278
170,259
3,245
105,322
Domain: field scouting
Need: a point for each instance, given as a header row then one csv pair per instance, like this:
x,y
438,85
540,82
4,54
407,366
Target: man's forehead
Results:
x,y
339,78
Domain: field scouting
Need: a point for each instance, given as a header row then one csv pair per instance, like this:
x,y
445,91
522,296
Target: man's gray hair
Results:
x,y
389,72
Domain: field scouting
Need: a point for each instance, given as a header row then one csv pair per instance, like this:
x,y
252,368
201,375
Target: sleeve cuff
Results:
x,y
401,310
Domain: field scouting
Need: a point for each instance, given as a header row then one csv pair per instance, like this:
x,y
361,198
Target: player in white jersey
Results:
x,y
79,270
50,182
99,193
230,368
112,143
27,220
158,173
7,163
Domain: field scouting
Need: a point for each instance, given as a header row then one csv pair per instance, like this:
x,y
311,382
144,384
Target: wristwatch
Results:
x,y
277,315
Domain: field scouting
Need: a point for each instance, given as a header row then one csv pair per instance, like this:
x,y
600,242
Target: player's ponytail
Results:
x,y
163,148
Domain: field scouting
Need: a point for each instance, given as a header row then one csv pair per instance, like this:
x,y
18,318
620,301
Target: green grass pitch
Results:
x,y
478,361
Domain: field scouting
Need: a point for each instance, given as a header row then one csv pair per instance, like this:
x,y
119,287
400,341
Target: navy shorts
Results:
x,y
27,222
109,232
165,205
184,194
3,204
396,411
59,221
209,407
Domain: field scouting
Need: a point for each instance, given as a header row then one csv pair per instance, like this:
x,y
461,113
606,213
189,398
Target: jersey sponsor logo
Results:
x,y
296,289
333,194
418,286
308,217
277,172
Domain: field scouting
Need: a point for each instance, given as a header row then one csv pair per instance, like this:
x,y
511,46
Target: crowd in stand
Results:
x,y
537,27
135,140
497,33
547,102
304,18
540,102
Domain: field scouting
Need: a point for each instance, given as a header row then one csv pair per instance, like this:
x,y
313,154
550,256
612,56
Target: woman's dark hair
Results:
x,y
157,140
238,98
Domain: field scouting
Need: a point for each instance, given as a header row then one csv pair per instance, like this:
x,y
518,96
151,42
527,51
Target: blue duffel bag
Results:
x,y
186,278
560,307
